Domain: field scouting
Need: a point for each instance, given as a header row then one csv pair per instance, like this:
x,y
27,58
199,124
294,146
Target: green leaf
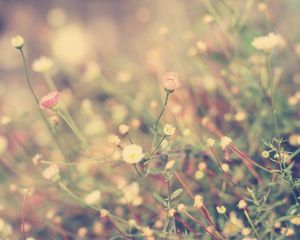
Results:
x,y
155,171
176,193
160,199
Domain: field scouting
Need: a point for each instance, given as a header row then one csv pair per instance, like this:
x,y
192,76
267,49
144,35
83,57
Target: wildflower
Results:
x,y
132,222
50,101
132,154
51,173
36,159
240,116
296,220
225,167
181,207
201,46
211,142
170,164
171,81
171,212
17,42
104,213
42,64
92,197
198,201
242,204
233,226
114,140
147,232
169,130
268,42
294,140
287,231
199,175
225,142
131,194
246,231
123,129
265,154
221,209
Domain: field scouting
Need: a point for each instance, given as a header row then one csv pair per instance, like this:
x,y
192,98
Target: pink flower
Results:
x,y
50,100
171,81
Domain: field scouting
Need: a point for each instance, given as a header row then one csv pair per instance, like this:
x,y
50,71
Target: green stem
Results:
x,y
158,145
252,224
162,111
272,92
74,129
69,192
37,102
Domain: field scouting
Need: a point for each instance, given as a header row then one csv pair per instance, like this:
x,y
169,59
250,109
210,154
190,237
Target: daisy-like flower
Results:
x,y
211,142
170,81
268,42
51,173
104,213
50,100
225,142
123,129
42,64
17,42
132,154
169,130
221,209
114,140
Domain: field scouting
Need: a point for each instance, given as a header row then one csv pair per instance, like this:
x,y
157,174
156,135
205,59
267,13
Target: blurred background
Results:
x,y
109,57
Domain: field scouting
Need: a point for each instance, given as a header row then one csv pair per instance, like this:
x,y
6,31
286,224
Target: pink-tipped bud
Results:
x,y
50,100
171,81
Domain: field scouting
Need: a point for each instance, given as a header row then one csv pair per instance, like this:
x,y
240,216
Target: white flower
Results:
x,y
42,64
170,164
131,195
17,42
242,204
198,201
132,154
104,213
180,207
221,209
211,142
123,129
114,140
93,197
51,173
225,142
169,130
268,42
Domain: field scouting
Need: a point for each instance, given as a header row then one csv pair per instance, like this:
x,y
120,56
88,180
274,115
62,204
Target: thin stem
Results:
x,y
252,224
74,129
272,92
162,111
68,191
23,216
37,102
158,145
